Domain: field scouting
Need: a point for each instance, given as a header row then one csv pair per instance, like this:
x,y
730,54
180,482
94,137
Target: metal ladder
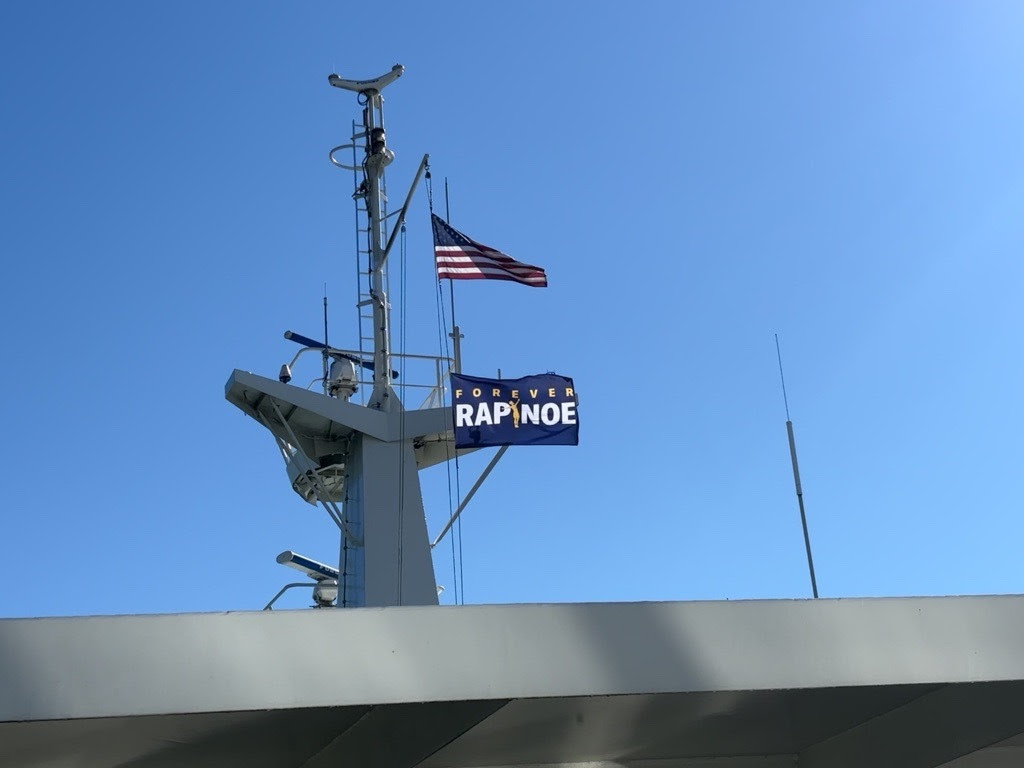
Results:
x,y
364,302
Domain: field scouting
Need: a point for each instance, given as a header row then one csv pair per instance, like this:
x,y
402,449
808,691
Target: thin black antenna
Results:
x,y
796,473
327,342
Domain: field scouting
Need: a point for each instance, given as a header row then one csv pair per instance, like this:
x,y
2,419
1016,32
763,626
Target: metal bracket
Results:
x,y
472,492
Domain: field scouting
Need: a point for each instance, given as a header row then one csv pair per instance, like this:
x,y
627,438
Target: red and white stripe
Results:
x,y
458,262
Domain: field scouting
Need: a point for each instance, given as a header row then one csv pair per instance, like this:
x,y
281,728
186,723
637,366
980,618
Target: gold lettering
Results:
x,y
568,392
495,392
458,393
476,392
551,392
533,393
515,394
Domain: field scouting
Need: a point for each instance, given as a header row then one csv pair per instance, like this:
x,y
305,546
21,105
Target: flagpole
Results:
x,y
456,335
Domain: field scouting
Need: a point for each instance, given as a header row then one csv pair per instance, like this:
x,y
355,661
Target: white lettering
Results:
x,y
501,409
568,413
549,413
483,415
531,413
463,415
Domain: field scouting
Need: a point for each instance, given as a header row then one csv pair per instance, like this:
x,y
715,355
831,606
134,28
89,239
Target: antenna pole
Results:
x,y
327,342
456,334
378,156
796,474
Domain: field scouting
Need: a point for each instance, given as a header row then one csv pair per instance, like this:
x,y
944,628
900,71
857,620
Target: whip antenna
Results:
x,y
796,473
327,342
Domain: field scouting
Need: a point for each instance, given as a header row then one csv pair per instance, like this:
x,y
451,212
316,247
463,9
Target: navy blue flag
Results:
x,y
533,410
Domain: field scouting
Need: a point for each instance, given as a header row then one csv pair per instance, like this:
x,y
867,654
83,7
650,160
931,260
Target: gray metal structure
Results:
x,y
383,507
367,458
883,683
880,683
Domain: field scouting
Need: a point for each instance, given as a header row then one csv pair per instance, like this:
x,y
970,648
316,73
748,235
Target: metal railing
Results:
x,y
437,387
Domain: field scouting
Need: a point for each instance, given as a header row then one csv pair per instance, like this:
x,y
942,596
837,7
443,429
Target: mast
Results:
x,y
377,157
361,463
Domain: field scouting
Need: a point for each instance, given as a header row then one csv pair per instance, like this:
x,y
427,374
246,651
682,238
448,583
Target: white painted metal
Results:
x,y
378,156
385,552
362,86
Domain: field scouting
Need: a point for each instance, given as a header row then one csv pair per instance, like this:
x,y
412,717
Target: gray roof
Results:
x,y
879,682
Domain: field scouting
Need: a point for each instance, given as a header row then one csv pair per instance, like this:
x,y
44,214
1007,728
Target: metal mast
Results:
x,y
377,158
361,463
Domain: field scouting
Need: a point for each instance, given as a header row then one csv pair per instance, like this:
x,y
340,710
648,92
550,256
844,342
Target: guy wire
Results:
x,y
443,350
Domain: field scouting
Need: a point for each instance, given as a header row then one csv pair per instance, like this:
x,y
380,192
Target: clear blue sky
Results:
x,y
695,177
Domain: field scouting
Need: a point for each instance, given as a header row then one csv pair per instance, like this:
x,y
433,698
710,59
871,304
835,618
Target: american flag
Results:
x,y
459,258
